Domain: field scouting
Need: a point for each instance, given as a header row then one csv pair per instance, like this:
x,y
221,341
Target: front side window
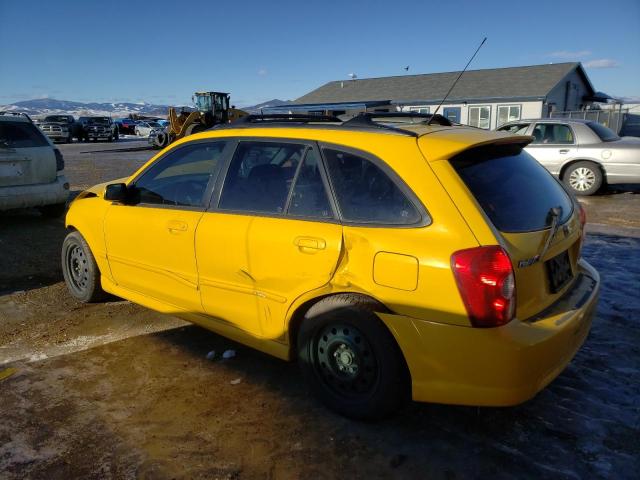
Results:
x,y
260,176
508,113
552,133
365,193
180,177
480,116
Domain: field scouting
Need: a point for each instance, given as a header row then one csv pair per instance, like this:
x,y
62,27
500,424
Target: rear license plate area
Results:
x,y
559,271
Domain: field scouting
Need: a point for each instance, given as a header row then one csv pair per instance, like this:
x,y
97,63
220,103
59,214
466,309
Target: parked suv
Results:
x,y
99,128
31,168
61,127
436,262
585,155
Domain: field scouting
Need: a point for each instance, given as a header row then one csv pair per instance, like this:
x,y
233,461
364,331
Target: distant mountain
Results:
x,y
271,103
51,106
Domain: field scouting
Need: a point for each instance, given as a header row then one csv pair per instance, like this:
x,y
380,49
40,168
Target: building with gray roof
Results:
x,y
482,98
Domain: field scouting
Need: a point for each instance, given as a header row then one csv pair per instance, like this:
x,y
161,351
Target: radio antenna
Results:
x,y
456,81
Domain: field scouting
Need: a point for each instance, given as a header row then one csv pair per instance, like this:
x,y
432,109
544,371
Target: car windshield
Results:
x,y
513,189
57,118
100,120
154,124
605,134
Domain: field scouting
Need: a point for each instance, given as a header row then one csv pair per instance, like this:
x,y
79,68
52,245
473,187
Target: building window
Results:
x,y
508,113
418,109
480,116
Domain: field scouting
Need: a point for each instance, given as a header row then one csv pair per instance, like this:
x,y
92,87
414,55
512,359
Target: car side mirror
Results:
x,y
116,192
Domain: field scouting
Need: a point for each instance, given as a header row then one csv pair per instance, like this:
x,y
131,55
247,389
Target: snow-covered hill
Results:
x,y
50,106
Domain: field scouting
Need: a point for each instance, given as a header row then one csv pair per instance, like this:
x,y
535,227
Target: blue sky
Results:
x,y
162,51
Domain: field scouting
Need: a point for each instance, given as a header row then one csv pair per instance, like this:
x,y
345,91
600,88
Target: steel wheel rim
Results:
x,y
78,268
582,179
344,361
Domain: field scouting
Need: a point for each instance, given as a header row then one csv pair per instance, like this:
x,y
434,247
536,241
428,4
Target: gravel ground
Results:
x,y
116,391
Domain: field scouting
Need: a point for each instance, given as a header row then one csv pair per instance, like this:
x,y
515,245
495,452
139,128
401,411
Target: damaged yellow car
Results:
x,y
393,256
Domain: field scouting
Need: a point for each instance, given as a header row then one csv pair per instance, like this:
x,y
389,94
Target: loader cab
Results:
x,y
214,104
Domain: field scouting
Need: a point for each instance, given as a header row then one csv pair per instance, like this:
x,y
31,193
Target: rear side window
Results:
x,y
513,189
365,193
309,197
552,133
21,135
260,176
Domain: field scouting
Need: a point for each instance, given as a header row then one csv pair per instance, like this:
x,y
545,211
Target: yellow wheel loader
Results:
x,y
212,108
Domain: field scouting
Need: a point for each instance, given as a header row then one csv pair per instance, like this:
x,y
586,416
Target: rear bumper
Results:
x,y
24,196
497,366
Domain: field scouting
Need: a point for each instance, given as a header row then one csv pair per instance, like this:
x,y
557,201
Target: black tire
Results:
x,y
110,139
80,271
69,139
53,211
583,178
350,360
117,136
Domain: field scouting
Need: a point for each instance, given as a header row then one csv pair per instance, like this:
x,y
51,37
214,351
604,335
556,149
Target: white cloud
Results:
x,y
263,72
601,63
569,54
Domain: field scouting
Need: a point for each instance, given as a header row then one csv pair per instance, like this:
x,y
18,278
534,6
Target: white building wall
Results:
x,y
531,109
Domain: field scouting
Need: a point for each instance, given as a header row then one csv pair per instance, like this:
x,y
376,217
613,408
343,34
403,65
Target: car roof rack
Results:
x,y
367,118
16,114
390,121
286,118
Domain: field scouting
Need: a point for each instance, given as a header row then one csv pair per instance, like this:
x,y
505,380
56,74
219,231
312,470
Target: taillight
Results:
x,y
487,285
59,160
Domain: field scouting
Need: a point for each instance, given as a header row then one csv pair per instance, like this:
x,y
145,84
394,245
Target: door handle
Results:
x,y
310,242
177,226
564,150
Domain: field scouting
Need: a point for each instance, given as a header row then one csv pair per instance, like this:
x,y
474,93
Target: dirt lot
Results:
x,y
117,391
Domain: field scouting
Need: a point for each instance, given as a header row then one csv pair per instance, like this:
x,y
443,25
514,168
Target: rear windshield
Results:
x,y
514,190
21,135
605,134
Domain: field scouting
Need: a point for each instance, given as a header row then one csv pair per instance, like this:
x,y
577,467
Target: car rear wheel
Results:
x,y
583,178
350,360
80,271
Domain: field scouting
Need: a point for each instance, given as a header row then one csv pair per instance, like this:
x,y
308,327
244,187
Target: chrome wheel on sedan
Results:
x,y
583,178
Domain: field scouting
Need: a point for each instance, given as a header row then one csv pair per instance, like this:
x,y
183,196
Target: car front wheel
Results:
x,y
350,360
583,178
80,271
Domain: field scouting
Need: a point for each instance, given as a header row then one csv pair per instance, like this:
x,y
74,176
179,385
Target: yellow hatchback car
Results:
x,y
394,256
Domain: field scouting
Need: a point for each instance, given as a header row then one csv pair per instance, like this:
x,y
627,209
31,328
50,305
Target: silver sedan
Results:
x,y
585,155
143,129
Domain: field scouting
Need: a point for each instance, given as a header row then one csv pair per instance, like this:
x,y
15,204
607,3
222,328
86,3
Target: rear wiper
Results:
x,y
553,219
